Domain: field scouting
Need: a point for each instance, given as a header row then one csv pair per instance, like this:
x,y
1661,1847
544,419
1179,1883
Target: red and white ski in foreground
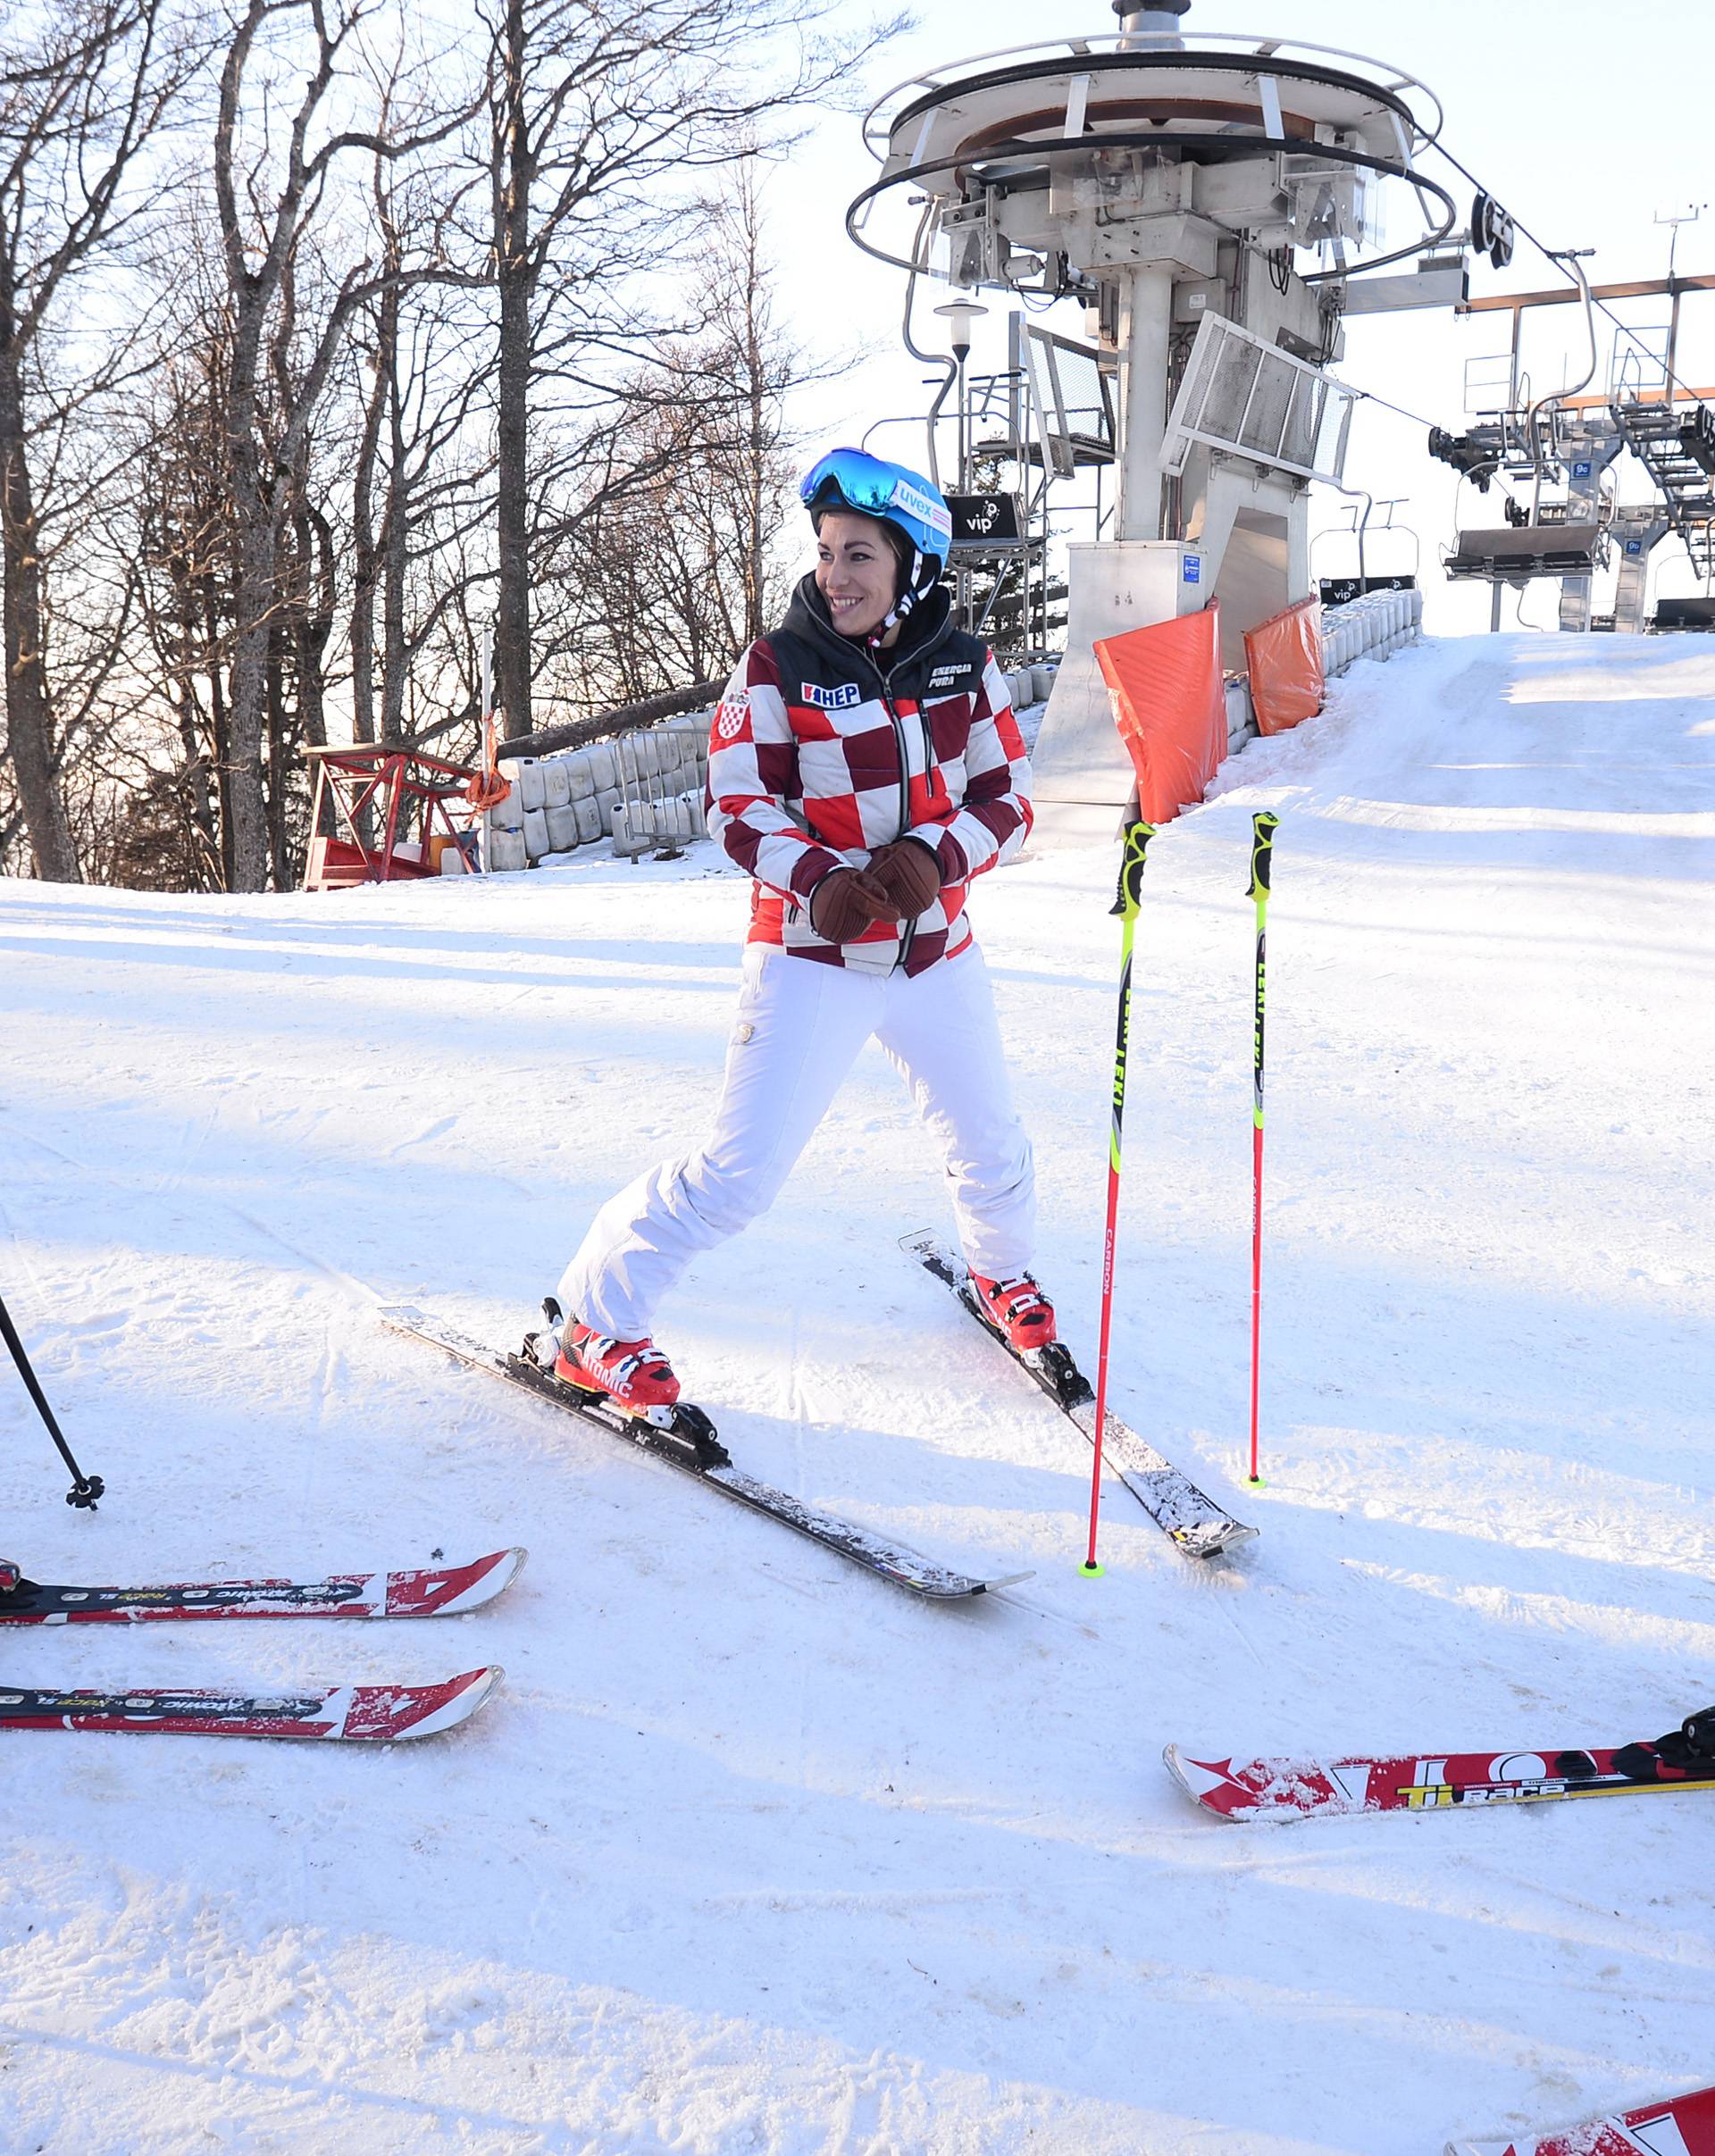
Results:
x,y
1685,2126
372,1714
438,1590
1304,1788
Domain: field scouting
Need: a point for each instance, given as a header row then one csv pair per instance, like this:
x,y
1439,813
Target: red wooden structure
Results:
x,y
398,796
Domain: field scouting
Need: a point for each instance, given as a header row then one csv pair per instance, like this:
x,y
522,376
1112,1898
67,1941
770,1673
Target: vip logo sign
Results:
x,y
986,523
842,699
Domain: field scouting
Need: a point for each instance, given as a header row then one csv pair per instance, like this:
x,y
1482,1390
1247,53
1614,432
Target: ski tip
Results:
x,y
1197,1777
1204,1543
938,1586
485,1579
458,1699
1171,1759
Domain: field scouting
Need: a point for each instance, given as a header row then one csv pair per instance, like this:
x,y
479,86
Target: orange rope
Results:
x,y
488,789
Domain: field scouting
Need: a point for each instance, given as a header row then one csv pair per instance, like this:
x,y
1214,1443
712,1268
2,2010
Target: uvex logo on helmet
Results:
x,y
933,513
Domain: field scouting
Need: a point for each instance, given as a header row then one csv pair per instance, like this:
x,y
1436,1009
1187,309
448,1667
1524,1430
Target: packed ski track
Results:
x,y
752,1852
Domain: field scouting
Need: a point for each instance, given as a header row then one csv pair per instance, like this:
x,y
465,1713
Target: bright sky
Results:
x,y
1587,120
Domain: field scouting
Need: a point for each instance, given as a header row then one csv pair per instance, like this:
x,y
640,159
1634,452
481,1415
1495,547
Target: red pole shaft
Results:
x,y
1131,887
1101,1357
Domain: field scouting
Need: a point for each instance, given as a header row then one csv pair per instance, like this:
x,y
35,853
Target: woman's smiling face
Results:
x,y
857,571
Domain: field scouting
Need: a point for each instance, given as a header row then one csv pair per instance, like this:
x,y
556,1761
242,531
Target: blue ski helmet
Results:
x,y
915,507
852,479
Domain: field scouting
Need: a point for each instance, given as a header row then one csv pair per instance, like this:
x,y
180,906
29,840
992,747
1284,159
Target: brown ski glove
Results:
x,y
908,872
845,903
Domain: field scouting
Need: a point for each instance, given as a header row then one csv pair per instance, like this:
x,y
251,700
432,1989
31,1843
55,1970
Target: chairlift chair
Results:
x,y
1336,590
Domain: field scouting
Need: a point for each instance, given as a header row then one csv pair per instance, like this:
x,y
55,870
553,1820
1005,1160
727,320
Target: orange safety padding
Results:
x,y
1169,703
1285,659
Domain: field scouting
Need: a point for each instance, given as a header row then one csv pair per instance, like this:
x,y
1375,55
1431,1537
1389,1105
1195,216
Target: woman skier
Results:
x,y
863,766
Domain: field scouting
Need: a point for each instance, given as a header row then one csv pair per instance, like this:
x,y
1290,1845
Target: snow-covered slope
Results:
x,y
752,1853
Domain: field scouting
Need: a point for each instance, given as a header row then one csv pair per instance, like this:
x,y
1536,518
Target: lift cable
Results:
x,y
1431,426
1549,254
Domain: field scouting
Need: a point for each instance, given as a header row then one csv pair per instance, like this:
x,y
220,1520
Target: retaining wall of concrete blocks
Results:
x,y
640,793
1374,626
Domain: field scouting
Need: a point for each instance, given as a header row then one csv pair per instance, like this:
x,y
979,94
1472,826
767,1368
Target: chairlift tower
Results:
x,y
1206,196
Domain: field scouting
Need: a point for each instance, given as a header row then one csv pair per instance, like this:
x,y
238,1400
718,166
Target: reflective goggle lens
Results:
x,y
861,484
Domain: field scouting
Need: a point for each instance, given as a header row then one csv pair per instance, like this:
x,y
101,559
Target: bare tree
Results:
x,y
267,201
425,466
678,564
598,109
413,340
83,87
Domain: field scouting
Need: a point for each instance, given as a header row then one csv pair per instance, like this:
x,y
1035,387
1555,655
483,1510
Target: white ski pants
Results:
x,y
798,1031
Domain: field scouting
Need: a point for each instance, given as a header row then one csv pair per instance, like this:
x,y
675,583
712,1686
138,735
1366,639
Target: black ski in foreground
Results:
x,y
372,1714
435,1591
1190,1519
691,1443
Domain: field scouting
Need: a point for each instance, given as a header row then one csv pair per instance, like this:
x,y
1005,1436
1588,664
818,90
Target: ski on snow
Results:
x,y
436,1591
374,1714
1685,2126
1190,1518
690,1444
1307,1787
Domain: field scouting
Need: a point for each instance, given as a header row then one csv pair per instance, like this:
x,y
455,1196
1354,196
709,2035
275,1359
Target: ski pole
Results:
x,y
1125,904
86,1489
1262,841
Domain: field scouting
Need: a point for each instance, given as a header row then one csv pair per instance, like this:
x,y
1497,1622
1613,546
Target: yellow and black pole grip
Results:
x,y
1130,895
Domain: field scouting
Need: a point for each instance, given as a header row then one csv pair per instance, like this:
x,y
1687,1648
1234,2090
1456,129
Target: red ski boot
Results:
x,y
1018,1308
633,1373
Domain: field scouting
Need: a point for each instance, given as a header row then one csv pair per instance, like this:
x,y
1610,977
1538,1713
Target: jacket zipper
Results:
x,y
886,680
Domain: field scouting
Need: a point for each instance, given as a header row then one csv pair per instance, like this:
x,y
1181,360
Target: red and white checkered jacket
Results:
x,y
819,754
